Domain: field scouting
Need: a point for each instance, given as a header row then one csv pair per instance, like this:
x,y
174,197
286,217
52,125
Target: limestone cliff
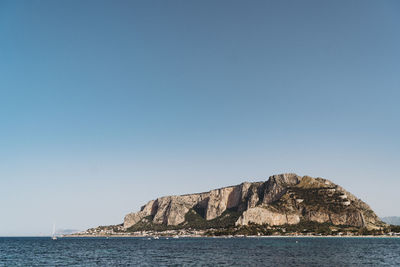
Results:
x,y
282,199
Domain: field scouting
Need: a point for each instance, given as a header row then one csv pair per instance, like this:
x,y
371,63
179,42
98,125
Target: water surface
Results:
x,y
271,251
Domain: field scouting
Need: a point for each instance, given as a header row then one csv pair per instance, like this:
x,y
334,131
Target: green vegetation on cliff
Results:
x,y
193,220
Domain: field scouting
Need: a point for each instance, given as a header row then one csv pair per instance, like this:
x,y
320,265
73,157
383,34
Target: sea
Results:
x,y
192,251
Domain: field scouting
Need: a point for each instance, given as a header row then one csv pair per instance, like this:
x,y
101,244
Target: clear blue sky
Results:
x,y
105,105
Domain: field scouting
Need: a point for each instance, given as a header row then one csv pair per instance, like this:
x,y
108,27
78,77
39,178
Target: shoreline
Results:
x,y
224,237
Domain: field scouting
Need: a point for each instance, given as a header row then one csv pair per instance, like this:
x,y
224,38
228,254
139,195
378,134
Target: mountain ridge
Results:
x,y
282,199
393,220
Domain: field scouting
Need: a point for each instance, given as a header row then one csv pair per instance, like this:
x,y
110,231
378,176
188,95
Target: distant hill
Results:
x,y
66,231
391,220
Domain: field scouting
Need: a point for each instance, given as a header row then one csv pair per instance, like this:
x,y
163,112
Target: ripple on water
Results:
x,y
200,251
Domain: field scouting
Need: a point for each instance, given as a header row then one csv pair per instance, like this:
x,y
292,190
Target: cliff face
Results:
x,y
283,199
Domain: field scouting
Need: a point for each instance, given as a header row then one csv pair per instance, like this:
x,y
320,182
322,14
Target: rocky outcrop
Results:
x,y
277,186
261,215
282,199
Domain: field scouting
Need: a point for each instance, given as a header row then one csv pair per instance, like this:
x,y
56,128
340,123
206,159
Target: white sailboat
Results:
x,y
53,236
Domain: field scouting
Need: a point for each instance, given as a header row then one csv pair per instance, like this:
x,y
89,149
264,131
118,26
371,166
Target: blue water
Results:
x,y
41,251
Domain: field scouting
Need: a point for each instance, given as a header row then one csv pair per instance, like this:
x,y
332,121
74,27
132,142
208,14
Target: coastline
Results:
x,y
228,236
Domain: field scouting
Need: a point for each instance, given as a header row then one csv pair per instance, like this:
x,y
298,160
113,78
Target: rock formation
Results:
x,y
282,199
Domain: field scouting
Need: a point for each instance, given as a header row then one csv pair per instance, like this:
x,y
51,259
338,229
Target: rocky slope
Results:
x,y
284,199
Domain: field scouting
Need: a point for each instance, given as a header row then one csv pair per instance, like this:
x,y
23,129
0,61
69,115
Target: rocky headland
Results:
x,y
285,203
